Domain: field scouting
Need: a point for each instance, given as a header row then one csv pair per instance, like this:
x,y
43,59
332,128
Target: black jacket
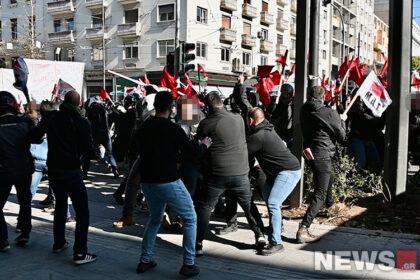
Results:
x,y
282,118
98,118
241,99
228,155
15,144
69,138
270,151
363,124
322,127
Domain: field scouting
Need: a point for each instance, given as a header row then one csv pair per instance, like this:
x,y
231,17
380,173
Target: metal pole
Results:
x,y
396,138
314,39
32,30
301,84
176,56
103,45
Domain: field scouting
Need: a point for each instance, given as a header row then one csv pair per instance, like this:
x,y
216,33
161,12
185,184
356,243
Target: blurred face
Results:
x,y
188,109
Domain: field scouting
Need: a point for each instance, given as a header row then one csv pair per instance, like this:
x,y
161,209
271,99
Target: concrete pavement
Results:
x,y
230,256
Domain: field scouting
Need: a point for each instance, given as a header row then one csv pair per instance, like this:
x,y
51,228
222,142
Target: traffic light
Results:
x,y
185,57
170,62
326,2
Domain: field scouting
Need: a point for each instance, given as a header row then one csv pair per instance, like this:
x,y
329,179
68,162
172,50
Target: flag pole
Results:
x,y
199,81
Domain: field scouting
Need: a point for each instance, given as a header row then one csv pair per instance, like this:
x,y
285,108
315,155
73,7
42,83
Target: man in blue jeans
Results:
x,y
69,138
159,141
281,167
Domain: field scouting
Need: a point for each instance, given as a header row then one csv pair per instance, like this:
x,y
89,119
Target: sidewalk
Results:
x,y
226,257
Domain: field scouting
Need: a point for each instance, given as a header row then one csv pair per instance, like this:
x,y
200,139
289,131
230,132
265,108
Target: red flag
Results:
x,y
189,89
386,65
264,71
283,59
323,84
355,74
201,69
169,82
264,86
275,77
292,71
337,87
145,79
104,94
343,68
54,92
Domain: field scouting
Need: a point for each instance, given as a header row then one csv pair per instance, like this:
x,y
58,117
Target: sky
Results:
x,y
416,10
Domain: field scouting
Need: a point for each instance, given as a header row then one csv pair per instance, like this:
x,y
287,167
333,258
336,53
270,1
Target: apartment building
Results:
x,y
380,40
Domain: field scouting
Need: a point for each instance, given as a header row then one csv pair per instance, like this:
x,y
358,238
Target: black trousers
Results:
x,y
323,181
213,188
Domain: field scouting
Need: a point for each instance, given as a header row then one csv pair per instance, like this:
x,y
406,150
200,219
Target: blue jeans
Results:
x,y
178,198
64,185
274,194
366,154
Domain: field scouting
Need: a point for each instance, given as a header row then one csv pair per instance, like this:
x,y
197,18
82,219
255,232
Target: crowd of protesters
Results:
x,y
184,155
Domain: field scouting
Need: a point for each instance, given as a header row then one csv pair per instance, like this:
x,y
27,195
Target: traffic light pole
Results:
x,y
314,39
176,56
396,138
301,87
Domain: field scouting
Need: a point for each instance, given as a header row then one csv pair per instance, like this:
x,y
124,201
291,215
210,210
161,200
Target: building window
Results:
x,y
264,6
97,21
165,46
57,54
97,53
225,22
293,42
247,28
131,51
0,31
246,58
166,12
70,23
264,34
70,55
325,15
280,14
279,39
201,50
264,60
201,15
13,26
131,16
13,2
325,37
225,54
57,25
247,1
324,54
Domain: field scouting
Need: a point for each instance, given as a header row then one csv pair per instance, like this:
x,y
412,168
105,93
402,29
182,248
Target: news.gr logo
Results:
x,y
365,260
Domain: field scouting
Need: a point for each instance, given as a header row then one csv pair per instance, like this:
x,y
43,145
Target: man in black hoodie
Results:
x,y
69,138
281,167
322,127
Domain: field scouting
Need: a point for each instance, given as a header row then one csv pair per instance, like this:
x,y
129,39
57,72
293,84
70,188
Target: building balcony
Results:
x,y
249,11
231,5
227,34
248,40
129,30
95,4
292,54
293,29
267,18
282,2
266,46
378,47
61,38
129,2
95,34
282,25
293,6
61,7
281,49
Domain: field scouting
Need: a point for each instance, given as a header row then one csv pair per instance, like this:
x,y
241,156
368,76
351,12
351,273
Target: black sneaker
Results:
x,y
18,230
58,249
47,201
189,270
22,239
199,249
118,198
142,267
260,241
83,259
50,208
272,248
115,172
4,246
228,229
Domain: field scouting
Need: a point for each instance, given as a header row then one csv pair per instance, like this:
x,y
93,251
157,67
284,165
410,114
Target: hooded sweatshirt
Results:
x,y
270,150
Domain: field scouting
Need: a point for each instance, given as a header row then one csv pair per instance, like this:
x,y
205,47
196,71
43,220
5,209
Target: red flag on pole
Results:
x,y
343,68
386,65
104,94
355,74
283,59
54,92
189,89
264,71
167,80
323,84
292,71
201,69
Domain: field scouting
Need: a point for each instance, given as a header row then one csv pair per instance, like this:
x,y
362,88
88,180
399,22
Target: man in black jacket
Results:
x,y
322,127
16,166
241,98
69,138
281,167
227,166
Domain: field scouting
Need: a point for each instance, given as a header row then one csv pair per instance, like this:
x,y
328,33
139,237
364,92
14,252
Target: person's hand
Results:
x,y
241,79
33,114
206,141
343,117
